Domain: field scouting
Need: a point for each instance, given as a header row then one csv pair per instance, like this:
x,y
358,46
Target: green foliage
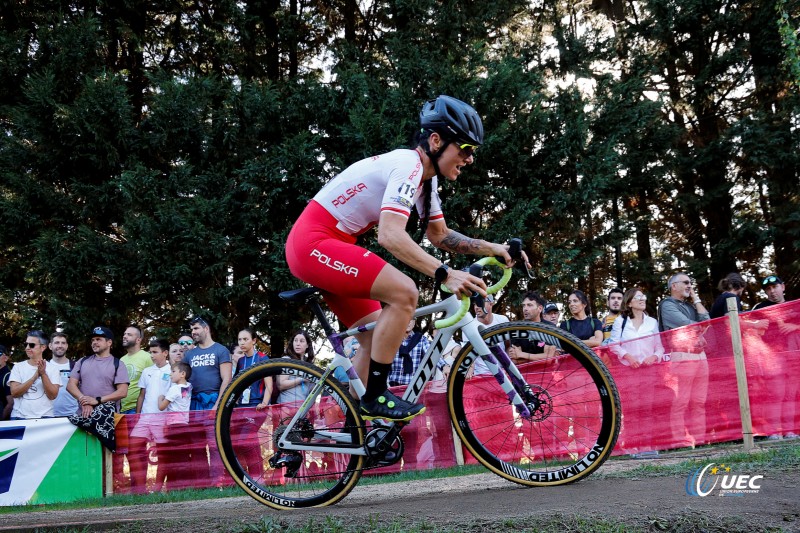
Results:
x,y
790,41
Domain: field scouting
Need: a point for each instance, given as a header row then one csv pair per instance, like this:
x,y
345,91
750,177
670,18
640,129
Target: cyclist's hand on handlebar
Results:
x,y
463,283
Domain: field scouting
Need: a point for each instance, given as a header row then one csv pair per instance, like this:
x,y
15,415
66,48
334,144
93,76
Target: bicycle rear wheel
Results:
x,y
574,406
247,440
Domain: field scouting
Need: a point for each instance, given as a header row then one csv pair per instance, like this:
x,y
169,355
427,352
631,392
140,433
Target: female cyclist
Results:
x,y
381,190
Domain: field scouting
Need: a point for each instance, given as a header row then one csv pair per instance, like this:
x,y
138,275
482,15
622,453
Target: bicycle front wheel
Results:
x,y
573,407
248,439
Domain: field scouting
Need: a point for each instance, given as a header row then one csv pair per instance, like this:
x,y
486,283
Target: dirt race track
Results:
x,y
472,503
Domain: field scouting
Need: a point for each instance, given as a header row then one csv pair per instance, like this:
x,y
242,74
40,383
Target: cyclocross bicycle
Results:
x,y
547,422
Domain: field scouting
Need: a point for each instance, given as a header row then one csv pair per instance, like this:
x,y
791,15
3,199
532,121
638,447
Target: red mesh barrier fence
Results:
x,y
689,400
693,398
176,456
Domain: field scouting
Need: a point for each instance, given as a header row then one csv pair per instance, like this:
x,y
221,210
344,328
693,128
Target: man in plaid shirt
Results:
x,y
408,357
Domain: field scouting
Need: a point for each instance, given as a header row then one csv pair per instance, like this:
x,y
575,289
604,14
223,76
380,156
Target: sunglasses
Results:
x,y
685,282
33,344
466,150
771,279
640,297
184,343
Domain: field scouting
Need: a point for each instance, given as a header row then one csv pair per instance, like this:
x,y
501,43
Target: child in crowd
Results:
x,y
176,404
179,396
153,384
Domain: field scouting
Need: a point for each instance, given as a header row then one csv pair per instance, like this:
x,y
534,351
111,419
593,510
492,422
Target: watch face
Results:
x,y
441,273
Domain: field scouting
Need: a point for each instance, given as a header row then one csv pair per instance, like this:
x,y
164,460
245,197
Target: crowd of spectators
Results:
x,y
185,377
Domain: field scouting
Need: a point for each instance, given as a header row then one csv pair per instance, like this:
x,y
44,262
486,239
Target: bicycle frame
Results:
x,y
495,359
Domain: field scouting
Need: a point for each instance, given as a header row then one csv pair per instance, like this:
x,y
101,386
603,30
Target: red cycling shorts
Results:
x,y
324,256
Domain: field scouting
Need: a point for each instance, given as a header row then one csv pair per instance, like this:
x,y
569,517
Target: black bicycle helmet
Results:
x,y
453,119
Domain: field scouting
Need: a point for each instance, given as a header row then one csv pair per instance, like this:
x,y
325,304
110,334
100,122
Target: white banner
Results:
x,y
28,450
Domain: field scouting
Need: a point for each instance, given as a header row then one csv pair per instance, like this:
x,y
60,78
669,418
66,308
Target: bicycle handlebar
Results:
x,y
465,300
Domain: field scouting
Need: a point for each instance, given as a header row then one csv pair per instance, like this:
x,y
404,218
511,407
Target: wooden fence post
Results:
x,y
459,451
108,472
741,373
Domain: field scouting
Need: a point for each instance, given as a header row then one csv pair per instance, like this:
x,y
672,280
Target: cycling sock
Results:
x,y
376,382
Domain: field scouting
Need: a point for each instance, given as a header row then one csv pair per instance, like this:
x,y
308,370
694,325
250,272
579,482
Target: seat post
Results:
x,y
316,309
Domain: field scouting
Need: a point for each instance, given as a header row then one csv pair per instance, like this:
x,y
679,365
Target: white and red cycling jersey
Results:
x,y
321,248
387,182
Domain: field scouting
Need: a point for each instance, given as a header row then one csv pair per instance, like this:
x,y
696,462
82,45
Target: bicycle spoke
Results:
x,y
567,412
291,478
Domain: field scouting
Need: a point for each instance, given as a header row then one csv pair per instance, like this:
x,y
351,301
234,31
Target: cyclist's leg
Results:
x,y
399,294
379,347
362,357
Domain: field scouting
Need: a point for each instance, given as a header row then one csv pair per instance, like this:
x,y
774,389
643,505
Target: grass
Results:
x,y
686,522
116,500
130,499
776,458
553,524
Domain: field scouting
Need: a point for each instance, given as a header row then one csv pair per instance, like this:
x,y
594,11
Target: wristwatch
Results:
x,y
441,273
98,400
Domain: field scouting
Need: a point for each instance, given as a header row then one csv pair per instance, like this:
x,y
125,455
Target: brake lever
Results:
x,y
515,251
477,298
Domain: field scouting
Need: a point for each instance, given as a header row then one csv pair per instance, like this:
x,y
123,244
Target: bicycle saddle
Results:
x,y
299,295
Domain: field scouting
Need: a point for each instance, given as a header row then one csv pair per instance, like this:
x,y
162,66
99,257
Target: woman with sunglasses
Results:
x,y
381,190
635,340
634,324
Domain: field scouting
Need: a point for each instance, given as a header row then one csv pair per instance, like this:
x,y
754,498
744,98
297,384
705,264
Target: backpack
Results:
x,y
595,323
607,341
658,311
116,364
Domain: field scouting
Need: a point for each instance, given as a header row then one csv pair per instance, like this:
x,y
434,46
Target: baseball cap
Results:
x,y
3,350
771,280
101,331
550,307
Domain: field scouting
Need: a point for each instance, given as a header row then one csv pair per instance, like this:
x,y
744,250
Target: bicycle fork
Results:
x,y
497,361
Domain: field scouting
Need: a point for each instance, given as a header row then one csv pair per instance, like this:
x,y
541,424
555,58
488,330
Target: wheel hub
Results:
x,y
303,431
539,403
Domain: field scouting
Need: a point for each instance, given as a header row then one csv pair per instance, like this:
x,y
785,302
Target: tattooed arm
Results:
x,y
458,243
452,241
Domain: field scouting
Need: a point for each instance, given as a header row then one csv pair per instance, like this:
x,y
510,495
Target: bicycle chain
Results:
x,y
328,473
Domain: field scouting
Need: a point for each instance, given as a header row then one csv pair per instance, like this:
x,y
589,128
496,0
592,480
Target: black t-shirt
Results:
x,y
720,307
5,388
529,346
765,303
583,329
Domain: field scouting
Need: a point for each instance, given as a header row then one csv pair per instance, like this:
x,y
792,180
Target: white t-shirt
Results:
x,y
480,366
180,399
65,403
34,403
155,382
386,182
